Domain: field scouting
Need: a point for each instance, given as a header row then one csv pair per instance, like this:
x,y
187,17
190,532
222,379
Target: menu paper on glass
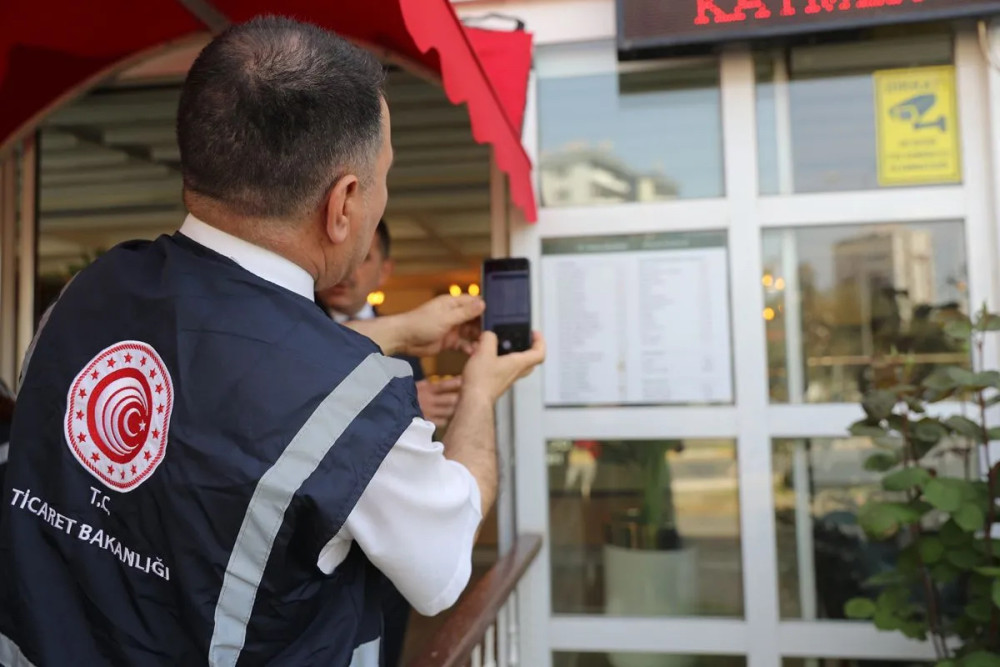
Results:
x,y
637,319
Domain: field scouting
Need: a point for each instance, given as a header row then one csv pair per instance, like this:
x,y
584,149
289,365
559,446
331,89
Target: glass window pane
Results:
x,y
847,662
817,112
614,137
644,660
645,528
839,297
824,557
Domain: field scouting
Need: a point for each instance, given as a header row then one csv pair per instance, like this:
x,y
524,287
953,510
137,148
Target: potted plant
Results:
x,y
648,569
945,583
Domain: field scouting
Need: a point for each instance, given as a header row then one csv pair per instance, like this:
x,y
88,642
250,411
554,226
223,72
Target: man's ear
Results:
x,y
387,267
342,207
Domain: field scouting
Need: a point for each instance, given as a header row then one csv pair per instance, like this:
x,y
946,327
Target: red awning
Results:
x,y
52,50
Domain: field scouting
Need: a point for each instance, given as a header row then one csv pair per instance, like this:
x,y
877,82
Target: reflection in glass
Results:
x,y
847,662
635,136
644,660
824,557
816,123
645,528
838,298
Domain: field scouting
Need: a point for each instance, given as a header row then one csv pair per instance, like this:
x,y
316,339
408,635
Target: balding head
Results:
x,y
272,113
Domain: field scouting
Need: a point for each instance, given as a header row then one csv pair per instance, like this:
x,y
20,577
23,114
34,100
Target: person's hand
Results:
x,y
440,324
438,399
491,374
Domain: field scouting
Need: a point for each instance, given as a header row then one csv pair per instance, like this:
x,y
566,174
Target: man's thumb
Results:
x,y
466,307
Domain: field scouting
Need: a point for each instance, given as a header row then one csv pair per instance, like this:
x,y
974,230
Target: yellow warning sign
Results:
x,y
917,118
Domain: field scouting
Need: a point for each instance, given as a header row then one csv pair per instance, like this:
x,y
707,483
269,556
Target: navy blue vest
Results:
x,y
186,440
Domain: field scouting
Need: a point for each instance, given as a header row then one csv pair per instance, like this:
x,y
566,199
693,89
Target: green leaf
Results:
x,y
964,426
905,479
915,405
914,630
881,461
965,559
881,520
989,322
943,494
945,573
885,620
994,433
939,380
995,592
961,376
952,534
865,428
970,517
987,379
958,329
988,571
894,599
981,659
878,405
887,578
946,663
929,430
859,609
878,520
984,547
979,610
931,549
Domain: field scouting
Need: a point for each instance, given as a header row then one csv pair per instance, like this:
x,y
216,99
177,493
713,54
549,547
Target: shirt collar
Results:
x,y
259,261
366,313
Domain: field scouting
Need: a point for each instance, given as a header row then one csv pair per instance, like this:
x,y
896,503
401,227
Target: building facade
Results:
x,y
731,228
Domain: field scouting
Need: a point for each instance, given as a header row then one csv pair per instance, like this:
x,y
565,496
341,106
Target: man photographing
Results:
x,y
348,301
204,468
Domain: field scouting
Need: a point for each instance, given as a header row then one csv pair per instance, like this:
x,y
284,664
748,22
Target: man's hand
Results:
x,y
438,399
440,324
489,374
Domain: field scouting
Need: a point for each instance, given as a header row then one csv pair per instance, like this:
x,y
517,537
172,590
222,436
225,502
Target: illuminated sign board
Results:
x,y
663,25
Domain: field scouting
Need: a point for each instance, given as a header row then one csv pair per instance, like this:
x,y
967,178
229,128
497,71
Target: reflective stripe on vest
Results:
x,y
274,492
10,654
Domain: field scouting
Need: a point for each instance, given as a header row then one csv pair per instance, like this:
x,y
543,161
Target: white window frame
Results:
x,y
753,421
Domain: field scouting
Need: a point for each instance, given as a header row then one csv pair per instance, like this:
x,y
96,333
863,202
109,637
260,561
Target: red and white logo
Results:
x,y
117,414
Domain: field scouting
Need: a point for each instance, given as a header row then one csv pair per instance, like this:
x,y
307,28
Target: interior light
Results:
x,y
376,298
769,313
454,290
474,289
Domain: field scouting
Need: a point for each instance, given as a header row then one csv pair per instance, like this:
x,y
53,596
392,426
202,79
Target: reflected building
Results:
x,y
892,256
588,176
890,269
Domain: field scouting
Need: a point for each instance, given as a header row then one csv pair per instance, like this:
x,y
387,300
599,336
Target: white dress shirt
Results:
x,y
417,518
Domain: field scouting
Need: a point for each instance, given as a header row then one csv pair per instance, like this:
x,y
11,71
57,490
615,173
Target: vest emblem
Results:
x,y
117,414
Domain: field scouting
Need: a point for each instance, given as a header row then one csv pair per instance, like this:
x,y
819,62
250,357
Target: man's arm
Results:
x,y
471,437
418,518
423,331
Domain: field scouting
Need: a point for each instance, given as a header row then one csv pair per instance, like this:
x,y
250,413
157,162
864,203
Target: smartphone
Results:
x,y
507,293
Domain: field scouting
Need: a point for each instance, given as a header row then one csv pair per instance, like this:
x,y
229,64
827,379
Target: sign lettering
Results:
x,y
663,25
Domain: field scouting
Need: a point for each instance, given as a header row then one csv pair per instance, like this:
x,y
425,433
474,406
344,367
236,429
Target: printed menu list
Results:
x,y
637,319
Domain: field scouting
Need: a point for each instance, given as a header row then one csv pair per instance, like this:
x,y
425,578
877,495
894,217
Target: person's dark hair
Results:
x,y
384,240
273,111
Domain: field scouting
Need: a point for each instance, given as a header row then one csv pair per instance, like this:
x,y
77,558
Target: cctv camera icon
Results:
x,y
913,111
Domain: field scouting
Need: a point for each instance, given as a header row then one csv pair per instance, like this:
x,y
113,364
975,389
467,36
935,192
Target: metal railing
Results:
x,y
483,629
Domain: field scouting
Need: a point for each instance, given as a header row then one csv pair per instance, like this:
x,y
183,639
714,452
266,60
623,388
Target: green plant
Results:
x,y
649,460
945,585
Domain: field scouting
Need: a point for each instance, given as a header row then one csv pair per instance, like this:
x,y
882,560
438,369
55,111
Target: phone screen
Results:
x,y
507,292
